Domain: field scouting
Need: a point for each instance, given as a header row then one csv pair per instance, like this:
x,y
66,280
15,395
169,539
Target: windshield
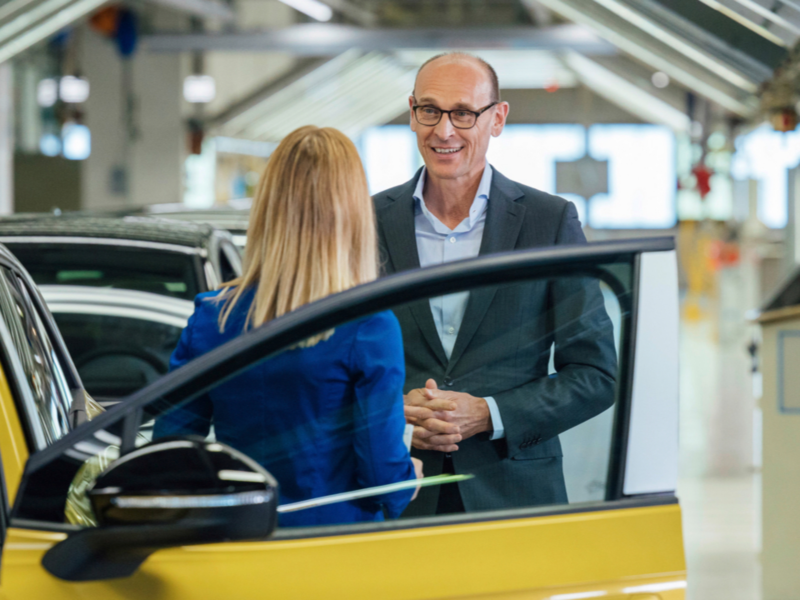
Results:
x,y
147,270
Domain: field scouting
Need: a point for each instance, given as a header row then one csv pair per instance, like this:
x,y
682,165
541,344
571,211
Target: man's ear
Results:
x,y
500,116
412,121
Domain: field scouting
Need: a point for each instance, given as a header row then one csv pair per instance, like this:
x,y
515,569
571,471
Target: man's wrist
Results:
x,y
497,430
487,417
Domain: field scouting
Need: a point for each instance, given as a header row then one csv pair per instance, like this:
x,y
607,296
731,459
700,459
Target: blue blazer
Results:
x,y
322,420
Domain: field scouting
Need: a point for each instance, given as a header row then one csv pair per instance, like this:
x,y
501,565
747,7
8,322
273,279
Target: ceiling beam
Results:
x,y
200,8
625,94
355,13
303,67
315,39
688,65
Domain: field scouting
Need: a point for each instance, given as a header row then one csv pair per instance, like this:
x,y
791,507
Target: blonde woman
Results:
x,y
327,416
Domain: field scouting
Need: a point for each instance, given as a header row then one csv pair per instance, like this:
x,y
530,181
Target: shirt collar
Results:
x,y
478,204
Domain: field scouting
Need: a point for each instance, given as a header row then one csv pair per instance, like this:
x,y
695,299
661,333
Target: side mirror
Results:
x,y
168,493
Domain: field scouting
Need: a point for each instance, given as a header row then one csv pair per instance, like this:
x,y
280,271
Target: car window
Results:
x,y
117,355
227,270
161,272
323,412
44,384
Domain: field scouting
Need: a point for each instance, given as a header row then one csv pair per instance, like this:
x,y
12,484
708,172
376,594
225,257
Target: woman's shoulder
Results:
x,y
208,307
380,320
380,328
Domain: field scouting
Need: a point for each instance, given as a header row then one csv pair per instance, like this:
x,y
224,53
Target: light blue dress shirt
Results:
x,y
437,244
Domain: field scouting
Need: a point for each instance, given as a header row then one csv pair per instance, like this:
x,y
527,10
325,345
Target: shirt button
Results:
x,y
452,240
451,330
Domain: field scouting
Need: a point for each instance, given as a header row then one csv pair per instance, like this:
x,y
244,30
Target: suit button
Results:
x,y
448,382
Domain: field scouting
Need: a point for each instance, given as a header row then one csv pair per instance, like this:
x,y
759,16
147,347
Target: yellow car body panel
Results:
x,y
13,448
611,551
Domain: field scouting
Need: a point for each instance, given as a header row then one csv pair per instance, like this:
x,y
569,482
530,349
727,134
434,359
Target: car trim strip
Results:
x,y
56,239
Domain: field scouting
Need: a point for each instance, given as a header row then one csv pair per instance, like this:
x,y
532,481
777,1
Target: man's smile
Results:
x,y
447,150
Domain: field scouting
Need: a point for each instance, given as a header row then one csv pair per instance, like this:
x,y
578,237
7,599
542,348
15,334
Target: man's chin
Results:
x,y
445,171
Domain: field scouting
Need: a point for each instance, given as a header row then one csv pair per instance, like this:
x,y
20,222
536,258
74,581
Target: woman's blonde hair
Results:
x,y
311,231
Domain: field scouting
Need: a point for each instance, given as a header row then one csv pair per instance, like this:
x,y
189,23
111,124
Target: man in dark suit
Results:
x,y
477,384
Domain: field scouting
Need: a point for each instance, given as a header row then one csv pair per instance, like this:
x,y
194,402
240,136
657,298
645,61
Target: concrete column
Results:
x,y
143,165
6,139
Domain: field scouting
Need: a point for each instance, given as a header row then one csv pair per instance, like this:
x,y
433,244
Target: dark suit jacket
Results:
x,y
503,349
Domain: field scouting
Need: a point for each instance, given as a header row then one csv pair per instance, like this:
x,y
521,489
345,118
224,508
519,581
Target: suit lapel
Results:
x,y
397,223
501,230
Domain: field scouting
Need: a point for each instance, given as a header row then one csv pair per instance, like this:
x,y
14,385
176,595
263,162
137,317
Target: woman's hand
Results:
x,y
418,470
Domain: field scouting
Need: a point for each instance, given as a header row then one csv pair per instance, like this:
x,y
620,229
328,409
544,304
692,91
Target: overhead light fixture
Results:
x,y
50,144
77,141
313,8
660,79
47,93
199,89
73,90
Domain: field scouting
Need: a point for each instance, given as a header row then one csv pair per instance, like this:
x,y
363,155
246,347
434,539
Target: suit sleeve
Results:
x,y
584,355
379,371
193,417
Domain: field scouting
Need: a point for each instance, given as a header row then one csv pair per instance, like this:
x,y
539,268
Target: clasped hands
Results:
x,y
443,418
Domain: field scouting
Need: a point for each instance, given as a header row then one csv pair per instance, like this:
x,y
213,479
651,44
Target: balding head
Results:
x,y
462,57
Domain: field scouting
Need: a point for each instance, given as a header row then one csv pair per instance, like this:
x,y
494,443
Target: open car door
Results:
x,y
604,523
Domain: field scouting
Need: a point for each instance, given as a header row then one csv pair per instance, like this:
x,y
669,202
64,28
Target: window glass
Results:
x,y
227,272
117,355
44,385
538,362
167,273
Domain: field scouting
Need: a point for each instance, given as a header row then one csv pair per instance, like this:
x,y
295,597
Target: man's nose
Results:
x,y
444,129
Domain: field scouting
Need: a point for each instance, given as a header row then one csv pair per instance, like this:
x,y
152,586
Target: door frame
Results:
x,y
239,354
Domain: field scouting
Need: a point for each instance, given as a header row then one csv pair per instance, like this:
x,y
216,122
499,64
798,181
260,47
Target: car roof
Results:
x,y
146,229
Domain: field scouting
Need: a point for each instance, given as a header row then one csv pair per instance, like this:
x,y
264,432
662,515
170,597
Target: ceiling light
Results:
x,y
199,89
313,8
77,141
660,79
73,90
47,93
50,145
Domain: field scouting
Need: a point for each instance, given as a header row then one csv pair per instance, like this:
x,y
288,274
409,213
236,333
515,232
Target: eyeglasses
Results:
x,y
460,118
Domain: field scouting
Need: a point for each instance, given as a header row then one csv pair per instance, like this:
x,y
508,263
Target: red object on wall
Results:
x,y
703,176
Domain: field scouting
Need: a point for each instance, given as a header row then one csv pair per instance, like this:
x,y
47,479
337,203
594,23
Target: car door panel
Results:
x,y
13,448
628,548
605,550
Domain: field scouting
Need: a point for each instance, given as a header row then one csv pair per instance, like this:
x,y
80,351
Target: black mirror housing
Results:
x,y
170,492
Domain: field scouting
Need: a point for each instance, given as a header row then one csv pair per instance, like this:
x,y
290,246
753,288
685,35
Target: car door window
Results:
x,y
44,388
117,355
320,405
230,263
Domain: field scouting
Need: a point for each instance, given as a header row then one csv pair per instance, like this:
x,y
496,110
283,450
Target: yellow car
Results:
x,y
169,530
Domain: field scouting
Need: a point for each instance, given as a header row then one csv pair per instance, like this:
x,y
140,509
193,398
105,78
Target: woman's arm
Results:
x,y
193,417
379,371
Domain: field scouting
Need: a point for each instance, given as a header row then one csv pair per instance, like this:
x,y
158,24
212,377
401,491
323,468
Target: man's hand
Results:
x,y
443,418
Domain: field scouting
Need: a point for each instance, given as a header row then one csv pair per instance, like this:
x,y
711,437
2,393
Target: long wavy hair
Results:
x,y
311,231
